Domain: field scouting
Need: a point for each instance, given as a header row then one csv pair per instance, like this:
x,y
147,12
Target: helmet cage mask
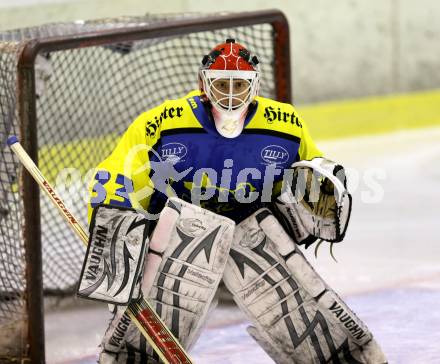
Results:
x,y
230,100
229,80
229,107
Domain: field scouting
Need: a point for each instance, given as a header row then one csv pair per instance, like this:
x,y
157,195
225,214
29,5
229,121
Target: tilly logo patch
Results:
x,y
174,152
274,154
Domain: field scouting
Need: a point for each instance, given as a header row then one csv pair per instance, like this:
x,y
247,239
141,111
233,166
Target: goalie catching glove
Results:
x,y
316,204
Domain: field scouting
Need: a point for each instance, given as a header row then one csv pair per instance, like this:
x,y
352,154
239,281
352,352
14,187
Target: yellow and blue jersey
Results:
x,y
178,140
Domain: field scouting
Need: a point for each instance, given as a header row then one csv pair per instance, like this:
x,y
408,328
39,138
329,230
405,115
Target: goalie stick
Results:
x,y
142,314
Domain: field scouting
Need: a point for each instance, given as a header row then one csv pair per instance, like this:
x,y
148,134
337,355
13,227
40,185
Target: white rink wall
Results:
x,y
344,49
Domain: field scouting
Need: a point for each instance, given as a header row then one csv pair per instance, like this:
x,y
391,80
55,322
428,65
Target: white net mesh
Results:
x,y
86,98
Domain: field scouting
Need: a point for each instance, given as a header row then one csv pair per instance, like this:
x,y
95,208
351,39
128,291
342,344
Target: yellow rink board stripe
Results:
x,y
330,120
53,158
375,115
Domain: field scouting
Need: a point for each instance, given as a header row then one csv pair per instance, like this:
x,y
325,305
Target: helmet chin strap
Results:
x,y
229,124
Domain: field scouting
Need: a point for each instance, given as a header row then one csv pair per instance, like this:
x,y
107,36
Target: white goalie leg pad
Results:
x,y
123,343
191,268
188,252
297,317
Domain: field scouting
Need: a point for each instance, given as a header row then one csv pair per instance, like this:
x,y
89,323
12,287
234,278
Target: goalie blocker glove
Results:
x,y
316,204
115,254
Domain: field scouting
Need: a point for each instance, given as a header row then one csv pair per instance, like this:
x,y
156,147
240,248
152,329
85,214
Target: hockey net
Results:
x,y
86,94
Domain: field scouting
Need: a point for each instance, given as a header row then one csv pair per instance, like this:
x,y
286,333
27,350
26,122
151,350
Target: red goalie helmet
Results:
x,y
229,79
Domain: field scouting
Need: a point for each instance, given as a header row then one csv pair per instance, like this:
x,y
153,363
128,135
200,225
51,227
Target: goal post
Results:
x,y
69,90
